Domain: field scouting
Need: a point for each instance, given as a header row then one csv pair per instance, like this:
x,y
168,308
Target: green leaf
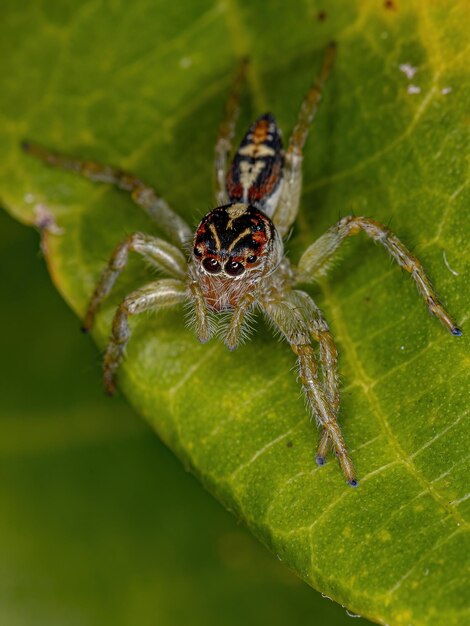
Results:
x,y
143,86
93,520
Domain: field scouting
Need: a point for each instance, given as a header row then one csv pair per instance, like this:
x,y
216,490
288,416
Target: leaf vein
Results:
x,y
376,409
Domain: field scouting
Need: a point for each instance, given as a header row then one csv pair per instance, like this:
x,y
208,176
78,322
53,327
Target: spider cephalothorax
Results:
x,y
237,264
235,245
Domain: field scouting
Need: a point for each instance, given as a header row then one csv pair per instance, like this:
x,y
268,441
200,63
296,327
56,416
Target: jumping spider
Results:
x,y
237,261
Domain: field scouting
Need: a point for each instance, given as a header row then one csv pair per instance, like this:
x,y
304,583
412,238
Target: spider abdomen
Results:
x,y
256,172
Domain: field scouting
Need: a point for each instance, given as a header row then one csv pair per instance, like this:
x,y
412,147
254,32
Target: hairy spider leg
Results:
x,y
320,332
227,131
288,206
202,325
143,195
162,293
315,260
289,320
157,252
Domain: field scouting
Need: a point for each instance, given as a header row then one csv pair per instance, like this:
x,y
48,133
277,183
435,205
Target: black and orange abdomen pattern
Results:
x,y
256,171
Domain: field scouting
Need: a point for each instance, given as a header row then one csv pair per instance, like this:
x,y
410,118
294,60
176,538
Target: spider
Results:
x,y
236,261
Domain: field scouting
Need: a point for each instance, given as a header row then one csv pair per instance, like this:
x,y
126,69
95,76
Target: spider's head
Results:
x,y
236,241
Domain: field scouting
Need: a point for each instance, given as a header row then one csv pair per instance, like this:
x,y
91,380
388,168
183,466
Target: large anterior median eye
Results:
x,y
211,265
234,268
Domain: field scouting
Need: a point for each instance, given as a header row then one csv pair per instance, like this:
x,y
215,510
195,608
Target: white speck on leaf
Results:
x,y
408,70
29,198
351,614
446,262
446,90
412,89
185,62
45,220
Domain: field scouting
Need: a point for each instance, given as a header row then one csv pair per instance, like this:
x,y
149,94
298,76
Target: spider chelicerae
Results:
x,y
236,261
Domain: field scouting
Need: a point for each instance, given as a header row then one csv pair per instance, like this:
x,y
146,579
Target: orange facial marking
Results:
x,y
259,237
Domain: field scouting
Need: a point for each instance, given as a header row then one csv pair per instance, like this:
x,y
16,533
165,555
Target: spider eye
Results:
x,y
234,268
197,252
251,259
211,265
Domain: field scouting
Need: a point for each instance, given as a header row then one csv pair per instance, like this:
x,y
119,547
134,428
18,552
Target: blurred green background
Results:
x,y
99,523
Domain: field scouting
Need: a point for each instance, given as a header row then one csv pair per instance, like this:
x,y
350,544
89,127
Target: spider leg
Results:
x,y
227,131
320,331
289,320
315,260
162,293
203,327
323,448
158,252
143,195
288,206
